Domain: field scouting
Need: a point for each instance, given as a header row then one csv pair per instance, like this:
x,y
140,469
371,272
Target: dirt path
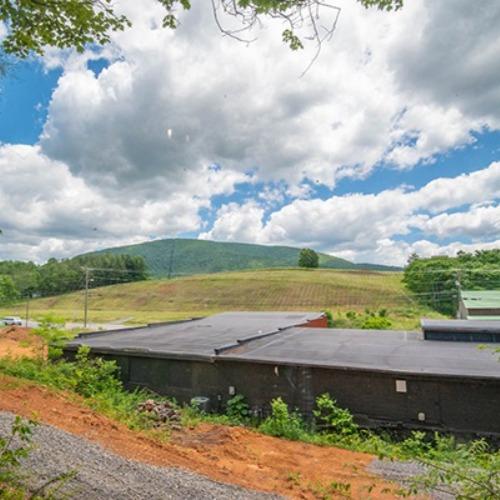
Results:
x,y
228,454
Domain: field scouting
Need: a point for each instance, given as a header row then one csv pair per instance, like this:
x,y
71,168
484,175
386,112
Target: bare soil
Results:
x,y
228,454
16,341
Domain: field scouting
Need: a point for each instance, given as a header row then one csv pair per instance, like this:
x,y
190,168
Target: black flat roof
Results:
x,y
278,337
378,350
197,338
461,325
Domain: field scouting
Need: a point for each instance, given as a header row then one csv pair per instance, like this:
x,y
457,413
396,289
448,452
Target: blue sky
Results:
x,y
370,159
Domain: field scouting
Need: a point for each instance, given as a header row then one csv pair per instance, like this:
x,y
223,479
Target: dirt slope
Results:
x,y
229,454
16,341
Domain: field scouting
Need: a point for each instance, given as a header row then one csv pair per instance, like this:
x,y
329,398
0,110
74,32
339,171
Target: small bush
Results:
x,y
51,330
282,423
329,318
370,320
93,378
330,418
94,375
376,323
237,409
10,455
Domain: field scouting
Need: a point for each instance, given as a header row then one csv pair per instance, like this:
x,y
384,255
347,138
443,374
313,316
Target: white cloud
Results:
x,y
128,154
480,222
397,252
363,226
237,223
245,107
46,211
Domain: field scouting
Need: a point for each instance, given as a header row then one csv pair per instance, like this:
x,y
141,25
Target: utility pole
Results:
x,y
458,284
171,262
86,297
28,297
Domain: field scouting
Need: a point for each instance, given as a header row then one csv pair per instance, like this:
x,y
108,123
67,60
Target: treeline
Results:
x,y
436,280
26,279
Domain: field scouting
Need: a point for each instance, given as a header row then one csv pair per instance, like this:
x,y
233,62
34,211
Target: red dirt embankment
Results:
x,y
228,454
16,342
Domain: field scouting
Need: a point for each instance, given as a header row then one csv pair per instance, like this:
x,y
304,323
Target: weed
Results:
x,y
331,418
11,479
329,319
10,455
94,379
282,423
50,329
237,409
327,491
340,487
294,478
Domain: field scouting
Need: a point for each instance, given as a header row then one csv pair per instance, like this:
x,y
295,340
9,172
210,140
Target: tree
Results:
x,y
434,279
308,258
8,291
35,24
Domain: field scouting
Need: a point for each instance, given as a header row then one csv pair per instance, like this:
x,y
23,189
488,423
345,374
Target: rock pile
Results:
x,y
162,412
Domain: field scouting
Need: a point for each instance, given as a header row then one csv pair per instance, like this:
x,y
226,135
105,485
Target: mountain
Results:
x,y
179,257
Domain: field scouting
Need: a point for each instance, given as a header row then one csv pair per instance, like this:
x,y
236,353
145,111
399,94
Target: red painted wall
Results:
x,y
317,323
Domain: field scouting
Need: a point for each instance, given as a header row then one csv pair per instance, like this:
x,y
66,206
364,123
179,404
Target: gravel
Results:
x,y
101,474
401,472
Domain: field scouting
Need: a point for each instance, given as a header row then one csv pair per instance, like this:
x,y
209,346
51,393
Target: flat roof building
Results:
x,y
479,304
387,378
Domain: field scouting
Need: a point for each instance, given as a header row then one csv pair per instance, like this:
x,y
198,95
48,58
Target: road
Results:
x,y
70,325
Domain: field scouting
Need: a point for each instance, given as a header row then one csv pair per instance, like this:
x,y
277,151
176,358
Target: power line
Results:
x,y
113,270
455,270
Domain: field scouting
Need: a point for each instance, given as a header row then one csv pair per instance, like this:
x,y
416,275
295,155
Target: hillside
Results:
x,y
181,257
270,289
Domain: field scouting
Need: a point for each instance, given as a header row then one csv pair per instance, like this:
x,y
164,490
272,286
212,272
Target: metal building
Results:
x,y
479,304
385,378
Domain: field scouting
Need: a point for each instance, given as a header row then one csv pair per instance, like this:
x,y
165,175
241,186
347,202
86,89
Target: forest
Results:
x,y
436,280
19,279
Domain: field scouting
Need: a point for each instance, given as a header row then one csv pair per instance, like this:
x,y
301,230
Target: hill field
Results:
x,y
181,257
268,289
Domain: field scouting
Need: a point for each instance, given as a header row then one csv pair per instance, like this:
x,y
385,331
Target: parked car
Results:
x,y
12,320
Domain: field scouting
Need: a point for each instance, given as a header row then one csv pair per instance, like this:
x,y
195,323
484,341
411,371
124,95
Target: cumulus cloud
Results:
x,y
449,58
176,119
45,210
237,223
363,226
172,101
480,222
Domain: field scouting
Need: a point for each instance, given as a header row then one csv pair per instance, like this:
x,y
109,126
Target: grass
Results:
x,y
269,289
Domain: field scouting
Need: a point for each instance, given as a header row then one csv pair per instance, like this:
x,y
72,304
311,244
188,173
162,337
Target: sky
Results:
x,y
387,146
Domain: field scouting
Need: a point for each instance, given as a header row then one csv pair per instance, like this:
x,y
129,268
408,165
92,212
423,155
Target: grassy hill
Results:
x,y
181,257
270,289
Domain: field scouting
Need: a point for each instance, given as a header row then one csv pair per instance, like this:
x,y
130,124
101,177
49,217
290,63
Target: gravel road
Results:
x,y
401,472
101,474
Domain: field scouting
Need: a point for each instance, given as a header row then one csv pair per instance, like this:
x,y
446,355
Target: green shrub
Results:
x,y
466,471
94,375
12,481
330,418
93,378
282,423
51,330
237,409
329,318
370,320
375,323
10,455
